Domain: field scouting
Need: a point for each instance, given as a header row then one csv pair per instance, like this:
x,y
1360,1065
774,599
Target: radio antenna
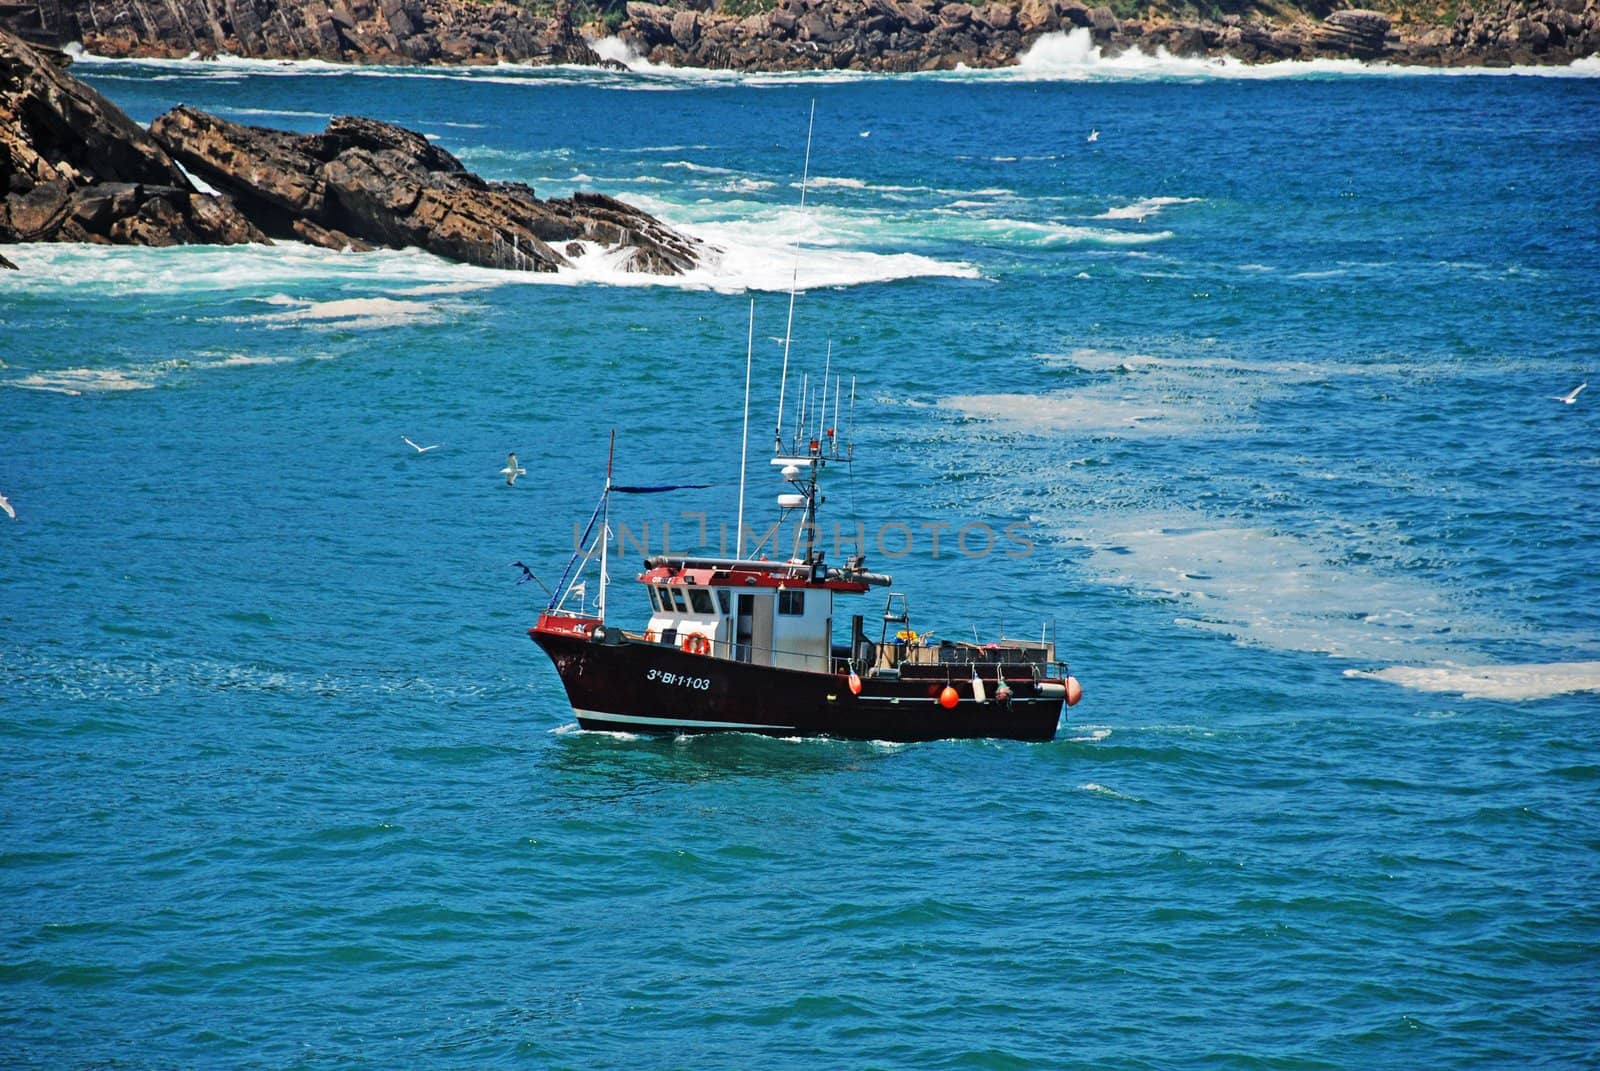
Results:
x,y
794,280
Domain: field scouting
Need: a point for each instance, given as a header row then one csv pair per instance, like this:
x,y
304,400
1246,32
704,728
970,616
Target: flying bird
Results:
x,y
527,574
866,133
1572,395
5,505
512,470
419,449
1094,135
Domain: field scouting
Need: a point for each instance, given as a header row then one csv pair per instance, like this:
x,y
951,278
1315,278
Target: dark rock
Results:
x,y
36,215
328,238
270,169
366,181
1358,33
7,265
76,169
359,30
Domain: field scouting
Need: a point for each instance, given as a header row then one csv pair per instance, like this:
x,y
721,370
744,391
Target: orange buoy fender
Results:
x,y
855,683
948,698
1074,691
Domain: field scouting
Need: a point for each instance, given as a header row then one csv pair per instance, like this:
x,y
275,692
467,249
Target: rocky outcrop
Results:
x,y
359,31
1509,32
74,168
908,35
373,182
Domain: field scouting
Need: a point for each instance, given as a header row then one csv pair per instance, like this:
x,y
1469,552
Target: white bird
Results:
x,y
866,133
1572,396
512,470
1094,135
419,449
5,505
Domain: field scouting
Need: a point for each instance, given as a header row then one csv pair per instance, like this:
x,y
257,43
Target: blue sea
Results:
x,y
1263,382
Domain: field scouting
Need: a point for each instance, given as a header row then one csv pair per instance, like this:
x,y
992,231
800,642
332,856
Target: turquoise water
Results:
x,y
1266,376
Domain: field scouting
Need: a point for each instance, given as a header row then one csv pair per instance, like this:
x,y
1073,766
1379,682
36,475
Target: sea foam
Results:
x,y
1505,682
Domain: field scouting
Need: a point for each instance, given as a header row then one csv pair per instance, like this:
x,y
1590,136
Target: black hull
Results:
x,y
633,686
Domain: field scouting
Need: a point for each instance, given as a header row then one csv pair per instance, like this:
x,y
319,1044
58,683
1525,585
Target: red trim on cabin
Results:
x,y
782,575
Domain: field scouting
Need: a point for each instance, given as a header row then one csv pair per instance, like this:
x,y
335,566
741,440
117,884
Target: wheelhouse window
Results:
x,y
659,599
727,603
700,599
677,597
792,603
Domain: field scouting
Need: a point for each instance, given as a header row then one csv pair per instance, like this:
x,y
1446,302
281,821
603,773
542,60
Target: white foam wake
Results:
x,y
80,381
363,313
1272,589
1073,56
1511,683
1094,412
749,247
1145,208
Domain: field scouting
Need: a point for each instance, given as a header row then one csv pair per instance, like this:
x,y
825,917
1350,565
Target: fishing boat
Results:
x,y
747,644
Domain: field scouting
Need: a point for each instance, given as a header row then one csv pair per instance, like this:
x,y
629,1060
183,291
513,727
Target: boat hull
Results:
x,y
619,684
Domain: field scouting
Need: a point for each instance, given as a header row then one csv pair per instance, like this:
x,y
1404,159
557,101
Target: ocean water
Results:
x,y
1258,391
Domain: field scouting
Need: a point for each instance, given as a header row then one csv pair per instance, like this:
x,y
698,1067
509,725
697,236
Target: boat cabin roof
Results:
x,y
760,573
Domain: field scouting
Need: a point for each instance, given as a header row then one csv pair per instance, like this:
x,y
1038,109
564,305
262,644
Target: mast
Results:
x,y
800,411
833,428
822,410
851,448
605,524
788,330
744,437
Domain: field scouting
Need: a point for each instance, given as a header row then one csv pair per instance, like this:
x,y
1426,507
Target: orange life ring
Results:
x,y
649,635
696,643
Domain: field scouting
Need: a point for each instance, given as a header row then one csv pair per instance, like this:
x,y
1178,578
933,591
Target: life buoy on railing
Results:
x,y
649,635
697,644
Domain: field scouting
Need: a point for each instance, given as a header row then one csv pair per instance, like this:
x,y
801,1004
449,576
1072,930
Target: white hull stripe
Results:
x,y
686,723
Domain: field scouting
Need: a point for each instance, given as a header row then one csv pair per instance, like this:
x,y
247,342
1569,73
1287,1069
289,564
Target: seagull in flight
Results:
x,y
5,506
1572,395
1094,135
419,449
512,470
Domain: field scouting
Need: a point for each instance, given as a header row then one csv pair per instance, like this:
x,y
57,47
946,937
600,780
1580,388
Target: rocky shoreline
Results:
x,y
74,168
910,35
789,35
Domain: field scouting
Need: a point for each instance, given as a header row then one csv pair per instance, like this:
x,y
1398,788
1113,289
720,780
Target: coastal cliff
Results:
x,y
882,35
74,168
905,35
